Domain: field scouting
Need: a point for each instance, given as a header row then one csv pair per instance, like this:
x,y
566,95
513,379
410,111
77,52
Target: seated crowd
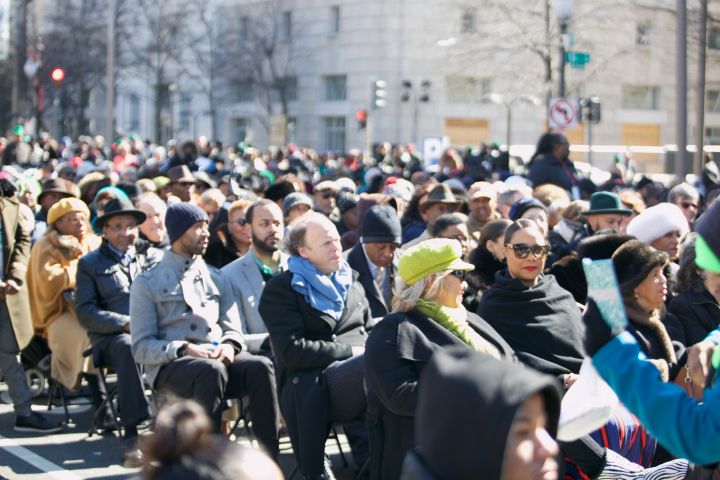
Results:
x,y
438,320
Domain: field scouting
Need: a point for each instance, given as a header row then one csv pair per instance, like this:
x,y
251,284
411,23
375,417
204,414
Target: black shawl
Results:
x,y
543,324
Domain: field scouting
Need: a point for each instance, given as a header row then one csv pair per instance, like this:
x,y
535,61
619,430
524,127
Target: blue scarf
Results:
x,y
326,293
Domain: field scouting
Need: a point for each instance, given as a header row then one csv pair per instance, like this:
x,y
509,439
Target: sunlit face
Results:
x,y
651,292
452,288
539,216
154,225
73,223
195,239
482,208
604,221
530,450
527,269
121,231
668,243
267,228
324,201
689,207
458,232
322,246
239,229
380,254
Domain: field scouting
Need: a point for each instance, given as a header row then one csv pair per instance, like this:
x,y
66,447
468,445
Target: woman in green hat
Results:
x,y
427,316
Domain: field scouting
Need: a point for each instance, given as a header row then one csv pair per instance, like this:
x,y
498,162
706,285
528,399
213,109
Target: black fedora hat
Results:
x,y
606,202
120,206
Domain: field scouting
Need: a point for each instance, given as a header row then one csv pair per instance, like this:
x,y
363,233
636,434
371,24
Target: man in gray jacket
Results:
x,y
247,275
102,302
186,330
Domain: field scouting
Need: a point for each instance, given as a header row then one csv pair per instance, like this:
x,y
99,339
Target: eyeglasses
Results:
x,y
241,221
461,274
523,250
459,238
327,195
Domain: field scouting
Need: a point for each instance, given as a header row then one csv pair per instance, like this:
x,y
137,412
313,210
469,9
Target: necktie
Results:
x,y
379,278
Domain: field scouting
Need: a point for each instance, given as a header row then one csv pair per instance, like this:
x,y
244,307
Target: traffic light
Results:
x,y
379,94
591,110
58,74
361,117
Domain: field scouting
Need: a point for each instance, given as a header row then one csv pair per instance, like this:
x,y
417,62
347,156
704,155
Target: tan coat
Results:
x,y
17,225
52,271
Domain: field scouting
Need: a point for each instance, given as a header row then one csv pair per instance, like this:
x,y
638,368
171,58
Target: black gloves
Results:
x,y
597,333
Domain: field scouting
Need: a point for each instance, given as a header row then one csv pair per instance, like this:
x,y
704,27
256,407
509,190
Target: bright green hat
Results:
x,y
161,182
431,256
705,258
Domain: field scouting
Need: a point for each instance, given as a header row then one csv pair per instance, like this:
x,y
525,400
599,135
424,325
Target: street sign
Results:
x,y
577,59
563,113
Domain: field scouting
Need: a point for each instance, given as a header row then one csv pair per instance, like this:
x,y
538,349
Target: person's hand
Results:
x,y
224,352
10,287
698,361
126,327
597,332
197,351
358,351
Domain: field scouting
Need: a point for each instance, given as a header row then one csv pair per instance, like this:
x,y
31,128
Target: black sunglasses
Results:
x,y
461,274
523,250
241,221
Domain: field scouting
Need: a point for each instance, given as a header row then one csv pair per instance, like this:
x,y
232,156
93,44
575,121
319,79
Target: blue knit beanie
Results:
x,y
181,216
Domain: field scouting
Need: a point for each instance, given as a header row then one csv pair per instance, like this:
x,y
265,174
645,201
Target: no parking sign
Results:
x,y
564,113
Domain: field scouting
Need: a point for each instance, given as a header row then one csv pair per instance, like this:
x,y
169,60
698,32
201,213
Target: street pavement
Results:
x,y
72,455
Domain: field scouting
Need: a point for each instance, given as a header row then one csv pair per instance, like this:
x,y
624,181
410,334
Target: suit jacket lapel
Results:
x,y
357,258
252,275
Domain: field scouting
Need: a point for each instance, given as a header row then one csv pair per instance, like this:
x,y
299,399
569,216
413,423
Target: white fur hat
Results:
x,y
657,221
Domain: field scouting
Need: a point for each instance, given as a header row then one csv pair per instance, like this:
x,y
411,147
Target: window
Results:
x,y
241,129
286,26
335,88
460,89
640,97
134,124
712,135
334,133
185,110
292,130
468,20
714,40
334,19
712,103
244,92
642,33
288,86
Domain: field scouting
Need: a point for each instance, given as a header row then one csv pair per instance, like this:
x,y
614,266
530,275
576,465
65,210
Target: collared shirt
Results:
x,y
125,257
374,268
266,272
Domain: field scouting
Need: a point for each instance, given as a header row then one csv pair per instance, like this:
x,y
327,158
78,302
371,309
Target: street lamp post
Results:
x,y
563,10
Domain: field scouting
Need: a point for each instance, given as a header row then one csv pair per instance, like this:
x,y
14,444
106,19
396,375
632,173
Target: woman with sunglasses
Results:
x,y
538,318
427,316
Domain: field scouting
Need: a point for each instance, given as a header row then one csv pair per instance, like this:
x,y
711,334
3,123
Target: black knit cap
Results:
x,y
633,262
381,225
521,206
180,217
279,191
346,201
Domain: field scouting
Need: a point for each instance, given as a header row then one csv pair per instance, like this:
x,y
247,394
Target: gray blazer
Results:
x,y
178,301
247,286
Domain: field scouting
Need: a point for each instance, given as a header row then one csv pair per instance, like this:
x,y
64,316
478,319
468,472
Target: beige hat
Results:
x,y
482,190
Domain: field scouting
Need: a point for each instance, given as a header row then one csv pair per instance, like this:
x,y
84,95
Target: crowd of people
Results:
x,y
436,315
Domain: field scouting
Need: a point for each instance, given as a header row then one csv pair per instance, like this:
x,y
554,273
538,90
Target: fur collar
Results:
x,y
68,246
653,320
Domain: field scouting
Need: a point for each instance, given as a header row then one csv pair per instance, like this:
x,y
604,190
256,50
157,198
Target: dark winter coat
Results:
x,y
550,169
396,354
698,312
542,323
358,262
305,341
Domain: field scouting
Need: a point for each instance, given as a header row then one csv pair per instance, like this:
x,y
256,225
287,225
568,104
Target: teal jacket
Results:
x,y
684,427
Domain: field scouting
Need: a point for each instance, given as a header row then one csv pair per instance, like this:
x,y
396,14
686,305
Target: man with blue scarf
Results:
x,y
318,319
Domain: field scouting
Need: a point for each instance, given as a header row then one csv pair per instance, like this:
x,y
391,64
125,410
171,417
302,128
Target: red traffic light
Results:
x,y
361,115
58,74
